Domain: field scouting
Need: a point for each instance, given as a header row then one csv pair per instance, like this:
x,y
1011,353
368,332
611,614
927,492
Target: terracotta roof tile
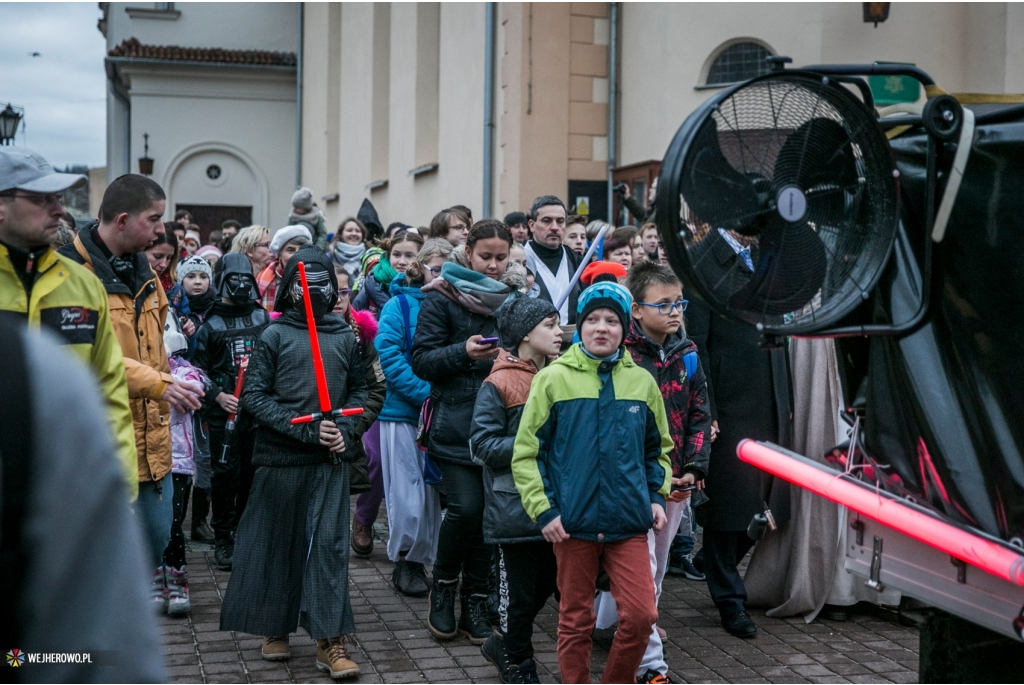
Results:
x,y
133,48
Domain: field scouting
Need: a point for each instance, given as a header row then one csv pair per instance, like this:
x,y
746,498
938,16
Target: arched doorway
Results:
x,y
215,182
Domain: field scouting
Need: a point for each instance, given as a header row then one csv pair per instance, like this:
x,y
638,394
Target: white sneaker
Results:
x,y
177,591
158,590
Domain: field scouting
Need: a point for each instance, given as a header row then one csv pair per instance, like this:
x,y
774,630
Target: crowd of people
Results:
x,y
530,399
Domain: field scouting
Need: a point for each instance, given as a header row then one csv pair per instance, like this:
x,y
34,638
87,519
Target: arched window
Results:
x,y
738,62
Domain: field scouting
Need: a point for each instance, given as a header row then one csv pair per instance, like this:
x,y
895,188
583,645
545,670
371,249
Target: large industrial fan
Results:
x,y
784,204
786,196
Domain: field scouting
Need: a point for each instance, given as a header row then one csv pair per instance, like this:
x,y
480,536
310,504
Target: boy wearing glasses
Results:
x,y
657,342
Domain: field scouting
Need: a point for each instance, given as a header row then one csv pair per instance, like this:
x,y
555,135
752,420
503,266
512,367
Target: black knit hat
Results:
x,y
520,316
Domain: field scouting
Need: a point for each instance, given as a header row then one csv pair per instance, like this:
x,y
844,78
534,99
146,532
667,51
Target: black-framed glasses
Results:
x,y
666,308
266,244
39,200
434,270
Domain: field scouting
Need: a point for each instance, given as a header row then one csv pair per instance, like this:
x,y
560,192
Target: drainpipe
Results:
x,y
491,11
298,98
613,91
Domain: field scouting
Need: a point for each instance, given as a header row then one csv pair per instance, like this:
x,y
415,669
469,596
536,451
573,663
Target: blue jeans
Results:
x,y
155,509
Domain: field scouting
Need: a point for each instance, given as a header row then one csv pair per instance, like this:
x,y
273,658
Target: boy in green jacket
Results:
x,y
591,463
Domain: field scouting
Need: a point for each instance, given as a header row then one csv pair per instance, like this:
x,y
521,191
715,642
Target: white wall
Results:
x,y
413,200
965,47
229,25
242,120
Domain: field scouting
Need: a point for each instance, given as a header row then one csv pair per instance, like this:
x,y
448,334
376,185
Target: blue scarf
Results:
x,y
472,282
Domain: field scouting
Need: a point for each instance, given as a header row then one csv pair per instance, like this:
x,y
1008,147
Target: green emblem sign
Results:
x,y
890,90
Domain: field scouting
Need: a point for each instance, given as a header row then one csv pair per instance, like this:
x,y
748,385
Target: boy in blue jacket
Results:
x,y
591,462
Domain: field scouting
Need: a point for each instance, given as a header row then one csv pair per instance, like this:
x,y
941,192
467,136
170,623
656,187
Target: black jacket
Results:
x,y
499,408
225,338
639,212
439,357
749,394
280,385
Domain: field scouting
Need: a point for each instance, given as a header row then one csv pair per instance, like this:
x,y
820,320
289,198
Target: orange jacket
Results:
x,y
137,316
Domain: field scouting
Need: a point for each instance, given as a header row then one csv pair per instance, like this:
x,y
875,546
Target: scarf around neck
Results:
x,y
344,253
384,273
470,289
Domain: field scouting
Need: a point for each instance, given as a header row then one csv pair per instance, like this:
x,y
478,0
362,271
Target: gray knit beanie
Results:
x,y
303,199
193,264
518,317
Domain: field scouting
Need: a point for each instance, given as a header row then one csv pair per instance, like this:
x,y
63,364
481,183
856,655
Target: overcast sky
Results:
x,y
63,90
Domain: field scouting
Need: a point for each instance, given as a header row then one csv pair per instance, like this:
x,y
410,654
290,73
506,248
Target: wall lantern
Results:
x,y
875,12
146,162
10,117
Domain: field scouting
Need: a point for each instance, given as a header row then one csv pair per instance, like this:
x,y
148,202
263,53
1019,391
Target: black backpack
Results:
x,y
16,451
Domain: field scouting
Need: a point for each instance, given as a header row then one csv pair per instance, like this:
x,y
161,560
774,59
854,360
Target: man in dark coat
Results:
x,y
749,392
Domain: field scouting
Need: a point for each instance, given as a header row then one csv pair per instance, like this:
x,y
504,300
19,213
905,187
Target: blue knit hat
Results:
x,y
606,294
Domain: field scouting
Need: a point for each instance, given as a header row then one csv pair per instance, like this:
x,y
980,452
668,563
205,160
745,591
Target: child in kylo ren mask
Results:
x,y
291,564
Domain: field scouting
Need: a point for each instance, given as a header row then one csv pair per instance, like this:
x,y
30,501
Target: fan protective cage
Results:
x,y
797,167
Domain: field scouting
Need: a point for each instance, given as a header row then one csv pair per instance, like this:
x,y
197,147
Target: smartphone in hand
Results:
x,y
488,342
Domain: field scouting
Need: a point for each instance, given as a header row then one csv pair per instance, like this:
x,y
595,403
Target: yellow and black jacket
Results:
x,y
70,302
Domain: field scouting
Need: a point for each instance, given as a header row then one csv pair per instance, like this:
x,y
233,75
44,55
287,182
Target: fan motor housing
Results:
x,y
778,202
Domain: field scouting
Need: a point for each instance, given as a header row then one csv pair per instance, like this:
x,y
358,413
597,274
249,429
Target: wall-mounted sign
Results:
x,y
891,90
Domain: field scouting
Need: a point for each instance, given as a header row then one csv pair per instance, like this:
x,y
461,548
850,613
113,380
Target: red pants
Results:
x,y
628,564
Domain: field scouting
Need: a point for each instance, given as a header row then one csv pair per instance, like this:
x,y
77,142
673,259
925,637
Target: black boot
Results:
x,y
441,616
525,672
473,620
410,578
493,650
223,554
201,530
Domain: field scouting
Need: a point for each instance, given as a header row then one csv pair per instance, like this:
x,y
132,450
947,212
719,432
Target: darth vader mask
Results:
x,y
322,294
238,288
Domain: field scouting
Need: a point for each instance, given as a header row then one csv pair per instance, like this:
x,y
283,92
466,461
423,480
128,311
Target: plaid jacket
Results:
x,y
685,395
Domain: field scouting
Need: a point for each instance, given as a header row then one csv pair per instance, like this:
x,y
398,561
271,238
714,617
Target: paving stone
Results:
x,y
227,667
809,670
190,670
404,677
183,648
394,645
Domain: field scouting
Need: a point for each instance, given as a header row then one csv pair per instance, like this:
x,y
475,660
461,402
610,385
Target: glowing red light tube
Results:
x,y
972,549
314,343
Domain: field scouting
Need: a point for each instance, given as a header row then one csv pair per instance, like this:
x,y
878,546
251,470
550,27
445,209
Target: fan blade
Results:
x,y
817,153
790,269
717,193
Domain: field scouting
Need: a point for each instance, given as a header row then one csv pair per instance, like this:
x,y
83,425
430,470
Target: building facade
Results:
x,y
207,91
396,96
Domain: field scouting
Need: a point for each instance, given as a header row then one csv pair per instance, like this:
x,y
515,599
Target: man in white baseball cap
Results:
x,y
51,291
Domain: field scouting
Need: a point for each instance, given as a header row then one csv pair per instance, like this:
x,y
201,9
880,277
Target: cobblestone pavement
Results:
x,y
395,647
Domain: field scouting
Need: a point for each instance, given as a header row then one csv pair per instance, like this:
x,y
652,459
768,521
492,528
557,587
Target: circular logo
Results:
x,y
791,203
213,172
15,658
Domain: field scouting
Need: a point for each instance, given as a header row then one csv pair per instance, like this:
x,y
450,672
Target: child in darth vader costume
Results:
x,y
225,339
292,547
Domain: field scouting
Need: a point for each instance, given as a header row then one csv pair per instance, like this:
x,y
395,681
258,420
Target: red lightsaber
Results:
x,y
975,550
229,427
318,365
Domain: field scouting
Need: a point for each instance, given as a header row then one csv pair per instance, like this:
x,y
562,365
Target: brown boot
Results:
x,y
276,648
332,657
362,539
